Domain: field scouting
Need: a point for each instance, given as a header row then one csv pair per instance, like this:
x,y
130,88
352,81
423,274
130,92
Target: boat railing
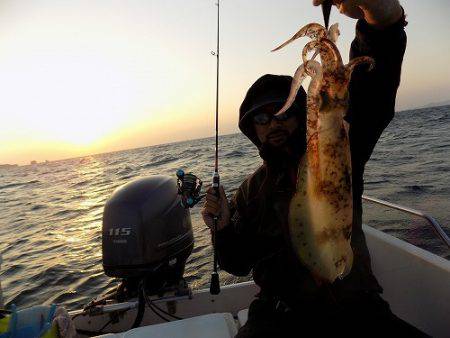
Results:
x,y
430,220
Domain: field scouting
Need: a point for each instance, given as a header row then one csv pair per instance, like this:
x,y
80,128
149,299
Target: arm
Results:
x,y
372,94
233,244
379,34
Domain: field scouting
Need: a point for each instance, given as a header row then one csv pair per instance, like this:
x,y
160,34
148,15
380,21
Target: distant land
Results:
x,y
33,162
6,166
436,104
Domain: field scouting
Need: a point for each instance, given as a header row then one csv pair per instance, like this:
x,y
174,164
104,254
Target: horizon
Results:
x,y
179,141
94,77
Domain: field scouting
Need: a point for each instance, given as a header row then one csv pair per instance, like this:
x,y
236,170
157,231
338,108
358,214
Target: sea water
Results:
x,y
51,214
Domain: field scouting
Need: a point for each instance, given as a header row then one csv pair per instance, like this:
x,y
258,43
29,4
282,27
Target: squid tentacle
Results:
x,y
312,45
333,32
312,30
358,61
314,68
299,77
334,51
329,54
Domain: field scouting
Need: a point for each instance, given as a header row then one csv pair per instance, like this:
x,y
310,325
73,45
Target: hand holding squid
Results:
x,y
378,13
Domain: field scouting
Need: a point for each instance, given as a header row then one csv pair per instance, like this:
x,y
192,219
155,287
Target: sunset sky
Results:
x,y
81,77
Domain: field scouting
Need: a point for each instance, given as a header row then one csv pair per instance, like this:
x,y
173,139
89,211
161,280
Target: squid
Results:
x,y
321,209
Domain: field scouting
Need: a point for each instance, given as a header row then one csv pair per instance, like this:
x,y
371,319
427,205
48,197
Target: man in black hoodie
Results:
x,y
252,228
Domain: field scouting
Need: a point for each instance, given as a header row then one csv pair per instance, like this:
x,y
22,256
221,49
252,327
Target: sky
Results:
x,y
92,76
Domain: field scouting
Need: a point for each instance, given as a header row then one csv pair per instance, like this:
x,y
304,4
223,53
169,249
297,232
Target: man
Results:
x,y
252,230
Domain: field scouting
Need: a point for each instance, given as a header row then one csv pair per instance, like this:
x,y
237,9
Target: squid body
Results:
x,y
321,210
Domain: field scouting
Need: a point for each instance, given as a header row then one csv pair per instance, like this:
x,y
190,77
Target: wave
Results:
x,y
13,269
68,213
235,153
81,183
419,188
18,184
375,182
160,162
127,177
38,206
124,171
445,145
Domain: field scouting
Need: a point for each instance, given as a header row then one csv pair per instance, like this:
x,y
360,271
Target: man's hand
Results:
x,y
216,206
378,13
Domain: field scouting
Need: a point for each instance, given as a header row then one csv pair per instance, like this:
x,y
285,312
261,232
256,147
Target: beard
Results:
x,y
288,148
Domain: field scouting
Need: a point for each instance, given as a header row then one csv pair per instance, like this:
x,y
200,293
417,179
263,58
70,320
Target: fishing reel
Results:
x,y
189,187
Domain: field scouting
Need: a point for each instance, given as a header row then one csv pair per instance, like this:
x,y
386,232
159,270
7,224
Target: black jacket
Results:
x,y
256,238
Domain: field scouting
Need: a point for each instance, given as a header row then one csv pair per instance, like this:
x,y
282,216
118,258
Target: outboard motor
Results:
x,y
147,233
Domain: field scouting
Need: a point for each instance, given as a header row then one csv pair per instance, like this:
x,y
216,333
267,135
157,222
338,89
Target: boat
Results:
x,y
416,282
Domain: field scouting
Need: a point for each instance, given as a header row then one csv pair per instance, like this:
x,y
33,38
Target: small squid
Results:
x,y
321,210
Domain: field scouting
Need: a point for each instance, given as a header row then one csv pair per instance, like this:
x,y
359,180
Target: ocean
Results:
x,y
51,213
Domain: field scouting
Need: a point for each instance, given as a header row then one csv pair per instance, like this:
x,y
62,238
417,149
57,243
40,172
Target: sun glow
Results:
x,y
89,76
70,79
74,98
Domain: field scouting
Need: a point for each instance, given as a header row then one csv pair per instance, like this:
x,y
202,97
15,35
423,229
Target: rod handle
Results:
x,y
214,287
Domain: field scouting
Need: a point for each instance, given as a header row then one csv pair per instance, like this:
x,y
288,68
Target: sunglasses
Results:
x,y
264,118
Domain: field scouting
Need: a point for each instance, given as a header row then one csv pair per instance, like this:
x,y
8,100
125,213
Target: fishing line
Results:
x,y
153,306
158,314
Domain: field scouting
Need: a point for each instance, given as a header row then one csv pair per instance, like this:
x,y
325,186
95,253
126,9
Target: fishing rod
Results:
x,y
214,287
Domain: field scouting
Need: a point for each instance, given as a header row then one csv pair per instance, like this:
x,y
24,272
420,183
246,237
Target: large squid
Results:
x,y
321,210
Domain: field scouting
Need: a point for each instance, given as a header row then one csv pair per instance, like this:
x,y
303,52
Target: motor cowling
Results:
x,y
146,233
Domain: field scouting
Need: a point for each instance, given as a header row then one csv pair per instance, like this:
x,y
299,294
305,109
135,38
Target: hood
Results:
x,y
267,89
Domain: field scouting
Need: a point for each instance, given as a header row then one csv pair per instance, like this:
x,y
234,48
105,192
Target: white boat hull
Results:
x,y
416,284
